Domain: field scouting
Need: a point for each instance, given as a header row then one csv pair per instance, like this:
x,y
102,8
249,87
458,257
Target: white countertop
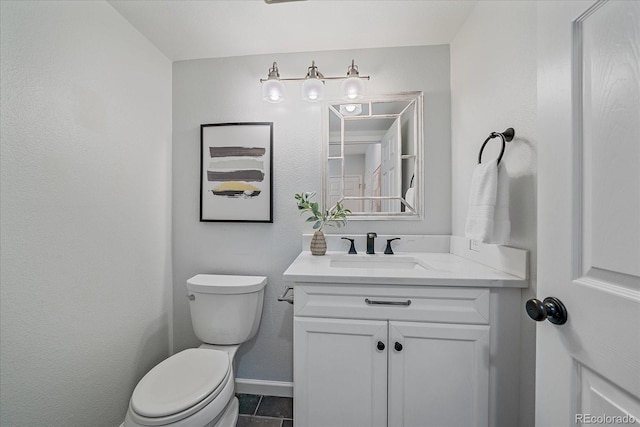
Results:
x,y
436,269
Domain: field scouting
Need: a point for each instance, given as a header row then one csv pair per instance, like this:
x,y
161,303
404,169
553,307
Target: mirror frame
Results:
x,y
412,98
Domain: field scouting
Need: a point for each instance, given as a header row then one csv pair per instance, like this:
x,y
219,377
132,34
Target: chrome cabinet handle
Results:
x,y
373,302
284,296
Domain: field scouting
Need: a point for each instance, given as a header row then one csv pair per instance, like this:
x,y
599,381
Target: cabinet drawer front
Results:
x,y
424,304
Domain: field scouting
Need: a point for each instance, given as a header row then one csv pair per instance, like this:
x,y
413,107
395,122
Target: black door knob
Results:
x,y
380,345
398,346
550,308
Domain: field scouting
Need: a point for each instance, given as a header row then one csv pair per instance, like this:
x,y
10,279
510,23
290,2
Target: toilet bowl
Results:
x,y
192,388
195,387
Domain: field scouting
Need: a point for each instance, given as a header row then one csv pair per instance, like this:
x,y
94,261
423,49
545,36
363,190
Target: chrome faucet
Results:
x,y
370,243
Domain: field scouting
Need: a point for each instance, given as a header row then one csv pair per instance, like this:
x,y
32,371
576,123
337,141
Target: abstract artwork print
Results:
x,y
236,172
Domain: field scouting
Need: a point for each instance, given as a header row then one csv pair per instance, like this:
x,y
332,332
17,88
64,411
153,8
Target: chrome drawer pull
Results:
x,y
372,302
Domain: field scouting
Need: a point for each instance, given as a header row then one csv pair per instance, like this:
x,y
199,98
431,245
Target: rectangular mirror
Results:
x,y
373,156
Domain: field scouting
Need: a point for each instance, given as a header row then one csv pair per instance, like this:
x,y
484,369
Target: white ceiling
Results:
x,y
187,29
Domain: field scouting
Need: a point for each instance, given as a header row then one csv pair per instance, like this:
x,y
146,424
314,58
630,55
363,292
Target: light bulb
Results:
x,y
350,108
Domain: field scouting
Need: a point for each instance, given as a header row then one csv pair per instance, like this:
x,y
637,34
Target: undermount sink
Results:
x,y
387,262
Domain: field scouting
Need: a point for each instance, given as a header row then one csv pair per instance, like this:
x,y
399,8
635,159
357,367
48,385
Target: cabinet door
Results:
x,y
340,375
440,375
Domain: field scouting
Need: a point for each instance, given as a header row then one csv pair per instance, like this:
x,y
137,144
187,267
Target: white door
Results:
x,y
589,212
438,375
353,188
390,167
350,185
340,372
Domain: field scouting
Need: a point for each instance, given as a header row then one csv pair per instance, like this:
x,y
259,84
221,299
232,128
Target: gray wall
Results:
x,y
228,90
86,205
493,86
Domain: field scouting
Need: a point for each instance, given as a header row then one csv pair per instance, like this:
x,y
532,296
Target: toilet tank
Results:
x,y
225,309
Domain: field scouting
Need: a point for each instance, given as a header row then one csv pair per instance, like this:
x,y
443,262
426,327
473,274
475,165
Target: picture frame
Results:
x,y
236,172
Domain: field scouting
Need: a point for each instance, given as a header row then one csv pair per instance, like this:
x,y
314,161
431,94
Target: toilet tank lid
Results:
x,y
225,284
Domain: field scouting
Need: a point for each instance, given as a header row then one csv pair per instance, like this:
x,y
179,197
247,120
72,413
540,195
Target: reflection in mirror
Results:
x,y
373,152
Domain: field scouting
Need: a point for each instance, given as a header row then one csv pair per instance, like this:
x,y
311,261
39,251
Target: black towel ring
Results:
x,y
506,136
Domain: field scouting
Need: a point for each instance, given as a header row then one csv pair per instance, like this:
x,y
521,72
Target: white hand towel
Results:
x,y
410,197
501,222
482,201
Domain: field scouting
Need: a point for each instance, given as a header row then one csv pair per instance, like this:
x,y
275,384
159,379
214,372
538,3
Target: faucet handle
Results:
x,y
352,249
388,250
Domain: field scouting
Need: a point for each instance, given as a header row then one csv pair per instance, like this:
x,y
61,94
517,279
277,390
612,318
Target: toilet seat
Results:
x,y
182,385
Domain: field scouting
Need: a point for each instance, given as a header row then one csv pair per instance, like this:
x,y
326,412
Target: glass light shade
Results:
x,y
352,88
313,90
273,91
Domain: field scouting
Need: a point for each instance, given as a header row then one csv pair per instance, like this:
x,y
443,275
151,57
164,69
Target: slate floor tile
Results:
x,y
249,421
273,406
248,403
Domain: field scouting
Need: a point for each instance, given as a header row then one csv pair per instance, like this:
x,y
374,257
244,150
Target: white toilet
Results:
x,y
195,388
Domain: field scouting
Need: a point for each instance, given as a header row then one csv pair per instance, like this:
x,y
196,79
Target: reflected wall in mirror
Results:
x,y
373,156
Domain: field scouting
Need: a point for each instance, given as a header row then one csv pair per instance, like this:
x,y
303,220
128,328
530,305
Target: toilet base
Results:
x,y
229,417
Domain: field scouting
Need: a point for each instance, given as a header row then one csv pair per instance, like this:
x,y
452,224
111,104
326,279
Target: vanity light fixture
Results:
x,y
313,84
353,87
273,88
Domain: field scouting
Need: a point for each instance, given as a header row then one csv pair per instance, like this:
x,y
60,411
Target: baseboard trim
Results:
x,y
264,387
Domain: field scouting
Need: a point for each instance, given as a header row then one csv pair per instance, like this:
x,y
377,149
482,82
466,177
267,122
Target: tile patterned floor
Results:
x,y
265,411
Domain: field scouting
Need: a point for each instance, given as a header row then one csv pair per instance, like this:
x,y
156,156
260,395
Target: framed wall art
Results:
x,y
236,172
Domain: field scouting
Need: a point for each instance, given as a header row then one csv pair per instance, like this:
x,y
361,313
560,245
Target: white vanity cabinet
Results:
x,y
388,355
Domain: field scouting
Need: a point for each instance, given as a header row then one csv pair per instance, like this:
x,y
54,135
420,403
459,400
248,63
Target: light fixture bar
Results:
x,y
300,79
352,86
320,76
